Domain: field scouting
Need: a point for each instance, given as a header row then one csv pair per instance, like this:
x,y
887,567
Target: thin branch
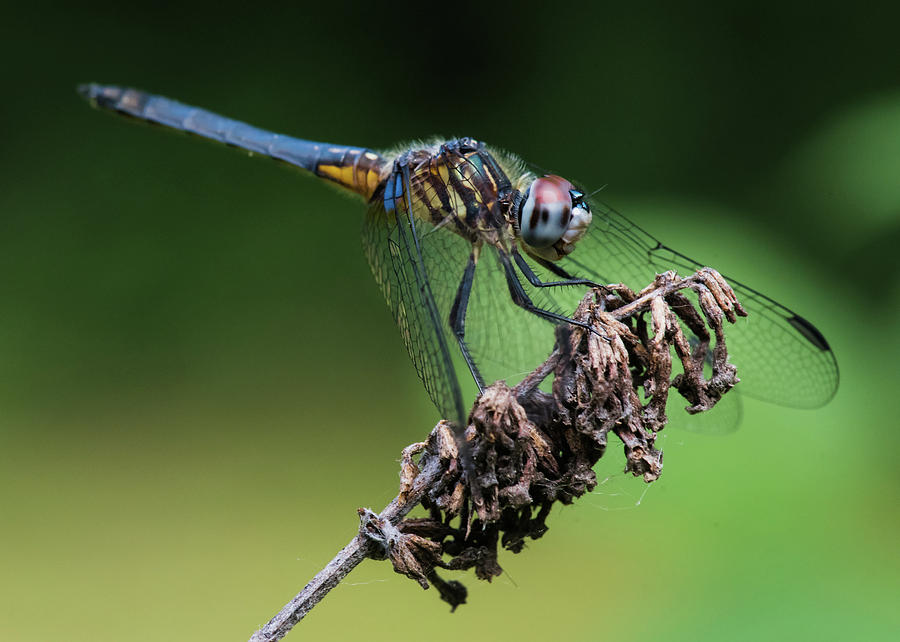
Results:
x,y
359,548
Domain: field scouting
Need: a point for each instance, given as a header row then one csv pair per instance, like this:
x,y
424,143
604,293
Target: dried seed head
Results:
x,y
525,450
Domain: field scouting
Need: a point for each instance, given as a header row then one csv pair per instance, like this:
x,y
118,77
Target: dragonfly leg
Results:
x,y
521,299
458,318
536,282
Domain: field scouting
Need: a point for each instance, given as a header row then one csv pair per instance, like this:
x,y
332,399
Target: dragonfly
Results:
x,y
476,253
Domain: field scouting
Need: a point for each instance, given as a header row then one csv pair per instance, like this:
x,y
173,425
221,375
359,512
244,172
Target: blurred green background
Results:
x,y
199,381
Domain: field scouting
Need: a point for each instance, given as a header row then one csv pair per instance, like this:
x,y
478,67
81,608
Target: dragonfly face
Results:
x,y
443,232
553,217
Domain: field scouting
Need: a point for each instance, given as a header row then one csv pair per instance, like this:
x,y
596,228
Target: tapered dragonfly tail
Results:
x,y
354,168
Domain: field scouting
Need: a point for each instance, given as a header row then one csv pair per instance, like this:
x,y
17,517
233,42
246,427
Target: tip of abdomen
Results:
x,y
92,92
104,95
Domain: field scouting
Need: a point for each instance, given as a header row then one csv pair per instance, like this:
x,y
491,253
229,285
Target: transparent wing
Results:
x,y
780,357
419,267
419,304
724,419
507,341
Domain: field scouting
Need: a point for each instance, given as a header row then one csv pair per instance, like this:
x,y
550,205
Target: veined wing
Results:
x,y
780,357
419,263
417,272
507,341
504,340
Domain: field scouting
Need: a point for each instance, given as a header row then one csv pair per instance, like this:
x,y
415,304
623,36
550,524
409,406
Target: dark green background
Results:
x,y
199,382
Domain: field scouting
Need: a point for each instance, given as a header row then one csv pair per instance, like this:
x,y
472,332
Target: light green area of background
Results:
x,y
199,382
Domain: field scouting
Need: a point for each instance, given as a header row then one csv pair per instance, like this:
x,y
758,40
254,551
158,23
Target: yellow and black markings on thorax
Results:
x,y
457,185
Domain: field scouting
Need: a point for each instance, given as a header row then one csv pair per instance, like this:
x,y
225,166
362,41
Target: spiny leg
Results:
x,y
521,299
536,282
458,317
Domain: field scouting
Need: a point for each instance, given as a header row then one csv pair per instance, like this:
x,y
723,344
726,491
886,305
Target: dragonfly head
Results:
x,y
552,217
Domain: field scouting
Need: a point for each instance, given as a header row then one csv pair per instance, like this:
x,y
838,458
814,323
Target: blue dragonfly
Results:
x,y
475,254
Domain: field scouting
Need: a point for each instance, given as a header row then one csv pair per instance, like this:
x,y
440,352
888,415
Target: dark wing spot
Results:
x,y
544,215
810,332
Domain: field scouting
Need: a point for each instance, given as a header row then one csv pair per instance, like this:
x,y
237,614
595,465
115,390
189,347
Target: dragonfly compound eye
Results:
x,y
552,219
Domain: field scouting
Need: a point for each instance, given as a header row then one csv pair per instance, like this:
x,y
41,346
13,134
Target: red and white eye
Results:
x,y
553,217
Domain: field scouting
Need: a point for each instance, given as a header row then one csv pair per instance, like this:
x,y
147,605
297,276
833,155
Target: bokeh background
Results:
x,y
199,382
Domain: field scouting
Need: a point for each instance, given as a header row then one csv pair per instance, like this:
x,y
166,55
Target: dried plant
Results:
x,y
525,449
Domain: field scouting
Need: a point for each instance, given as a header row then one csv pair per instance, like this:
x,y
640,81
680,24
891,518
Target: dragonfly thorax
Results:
x,y
552,217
